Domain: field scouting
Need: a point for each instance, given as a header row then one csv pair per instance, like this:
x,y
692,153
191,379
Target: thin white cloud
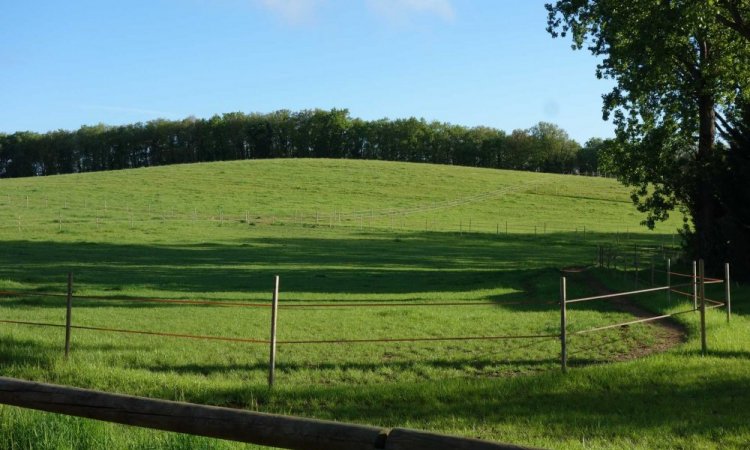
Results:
x,y
292,11
403,10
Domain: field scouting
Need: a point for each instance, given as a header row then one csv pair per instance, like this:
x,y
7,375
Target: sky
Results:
x,y
467,62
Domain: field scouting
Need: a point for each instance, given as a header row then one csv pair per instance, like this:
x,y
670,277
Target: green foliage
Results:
x,y
679,69
283,134
590,155
553,150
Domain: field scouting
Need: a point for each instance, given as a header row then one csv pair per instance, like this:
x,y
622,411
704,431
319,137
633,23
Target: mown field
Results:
x,y
358,245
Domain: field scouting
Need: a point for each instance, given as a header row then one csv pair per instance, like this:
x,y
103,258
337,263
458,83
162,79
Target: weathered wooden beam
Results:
x,y
405,439
225,423
201,420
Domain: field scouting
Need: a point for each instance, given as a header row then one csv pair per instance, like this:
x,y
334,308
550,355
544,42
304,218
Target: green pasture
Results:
x,y
362,249
360,194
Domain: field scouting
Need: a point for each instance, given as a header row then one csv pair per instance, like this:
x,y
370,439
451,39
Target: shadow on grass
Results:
x,y
409,266
413,266
290,367
28,352
618,403
412,263
40,354
732,354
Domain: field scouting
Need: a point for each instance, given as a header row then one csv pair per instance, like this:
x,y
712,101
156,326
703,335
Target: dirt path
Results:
x,y
667,332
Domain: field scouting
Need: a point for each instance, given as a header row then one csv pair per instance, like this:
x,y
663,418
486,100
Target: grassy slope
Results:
x,y
162,234
365,192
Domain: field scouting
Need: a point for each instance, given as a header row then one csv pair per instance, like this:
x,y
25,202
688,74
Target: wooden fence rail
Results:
x,y
225,423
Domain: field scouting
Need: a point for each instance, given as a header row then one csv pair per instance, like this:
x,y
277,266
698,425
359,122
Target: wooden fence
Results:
x,y
697,281
225,423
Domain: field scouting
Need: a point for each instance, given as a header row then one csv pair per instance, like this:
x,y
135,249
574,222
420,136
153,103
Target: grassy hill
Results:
x,y
365,250
356,193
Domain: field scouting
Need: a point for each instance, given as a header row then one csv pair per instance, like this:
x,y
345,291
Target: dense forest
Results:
x,y
284,134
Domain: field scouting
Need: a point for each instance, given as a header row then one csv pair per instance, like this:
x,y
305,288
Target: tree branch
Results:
x,y
737,22
725,127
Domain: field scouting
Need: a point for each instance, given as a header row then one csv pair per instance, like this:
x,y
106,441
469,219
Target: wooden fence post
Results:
x,y
702,275
653,270
563,325
274,309
606,256
669,280
727,293
695,286
68,314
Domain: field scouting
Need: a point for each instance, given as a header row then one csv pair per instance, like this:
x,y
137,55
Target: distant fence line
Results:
x,y
407,218
638,260
390,223
25,201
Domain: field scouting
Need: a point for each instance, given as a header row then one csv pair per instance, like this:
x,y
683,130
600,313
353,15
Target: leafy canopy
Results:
x,y
679,73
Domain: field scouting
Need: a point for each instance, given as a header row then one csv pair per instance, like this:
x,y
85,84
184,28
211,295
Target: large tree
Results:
x,y
679,71
553,149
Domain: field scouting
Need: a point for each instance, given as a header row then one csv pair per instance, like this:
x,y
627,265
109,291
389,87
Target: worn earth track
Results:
x,y
667,332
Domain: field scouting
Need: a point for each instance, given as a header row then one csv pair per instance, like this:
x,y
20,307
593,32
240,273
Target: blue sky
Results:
x,y
469,62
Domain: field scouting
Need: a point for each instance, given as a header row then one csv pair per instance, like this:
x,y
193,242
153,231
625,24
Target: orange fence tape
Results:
x,y
268,305
263,341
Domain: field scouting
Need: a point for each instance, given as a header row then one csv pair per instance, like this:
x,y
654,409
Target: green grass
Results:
x,y
345,232
337,192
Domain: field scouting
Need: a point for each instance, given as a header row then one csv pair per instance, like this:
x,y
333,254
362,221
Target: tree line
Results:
x,y
545,147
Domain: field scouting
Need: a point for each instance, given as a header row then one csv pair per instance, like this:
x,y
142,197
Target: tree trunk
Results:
x,y
704,208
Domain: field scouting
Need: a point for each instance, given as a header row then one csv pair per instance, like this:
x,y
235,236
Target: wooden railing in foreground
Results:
x,y
225,423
